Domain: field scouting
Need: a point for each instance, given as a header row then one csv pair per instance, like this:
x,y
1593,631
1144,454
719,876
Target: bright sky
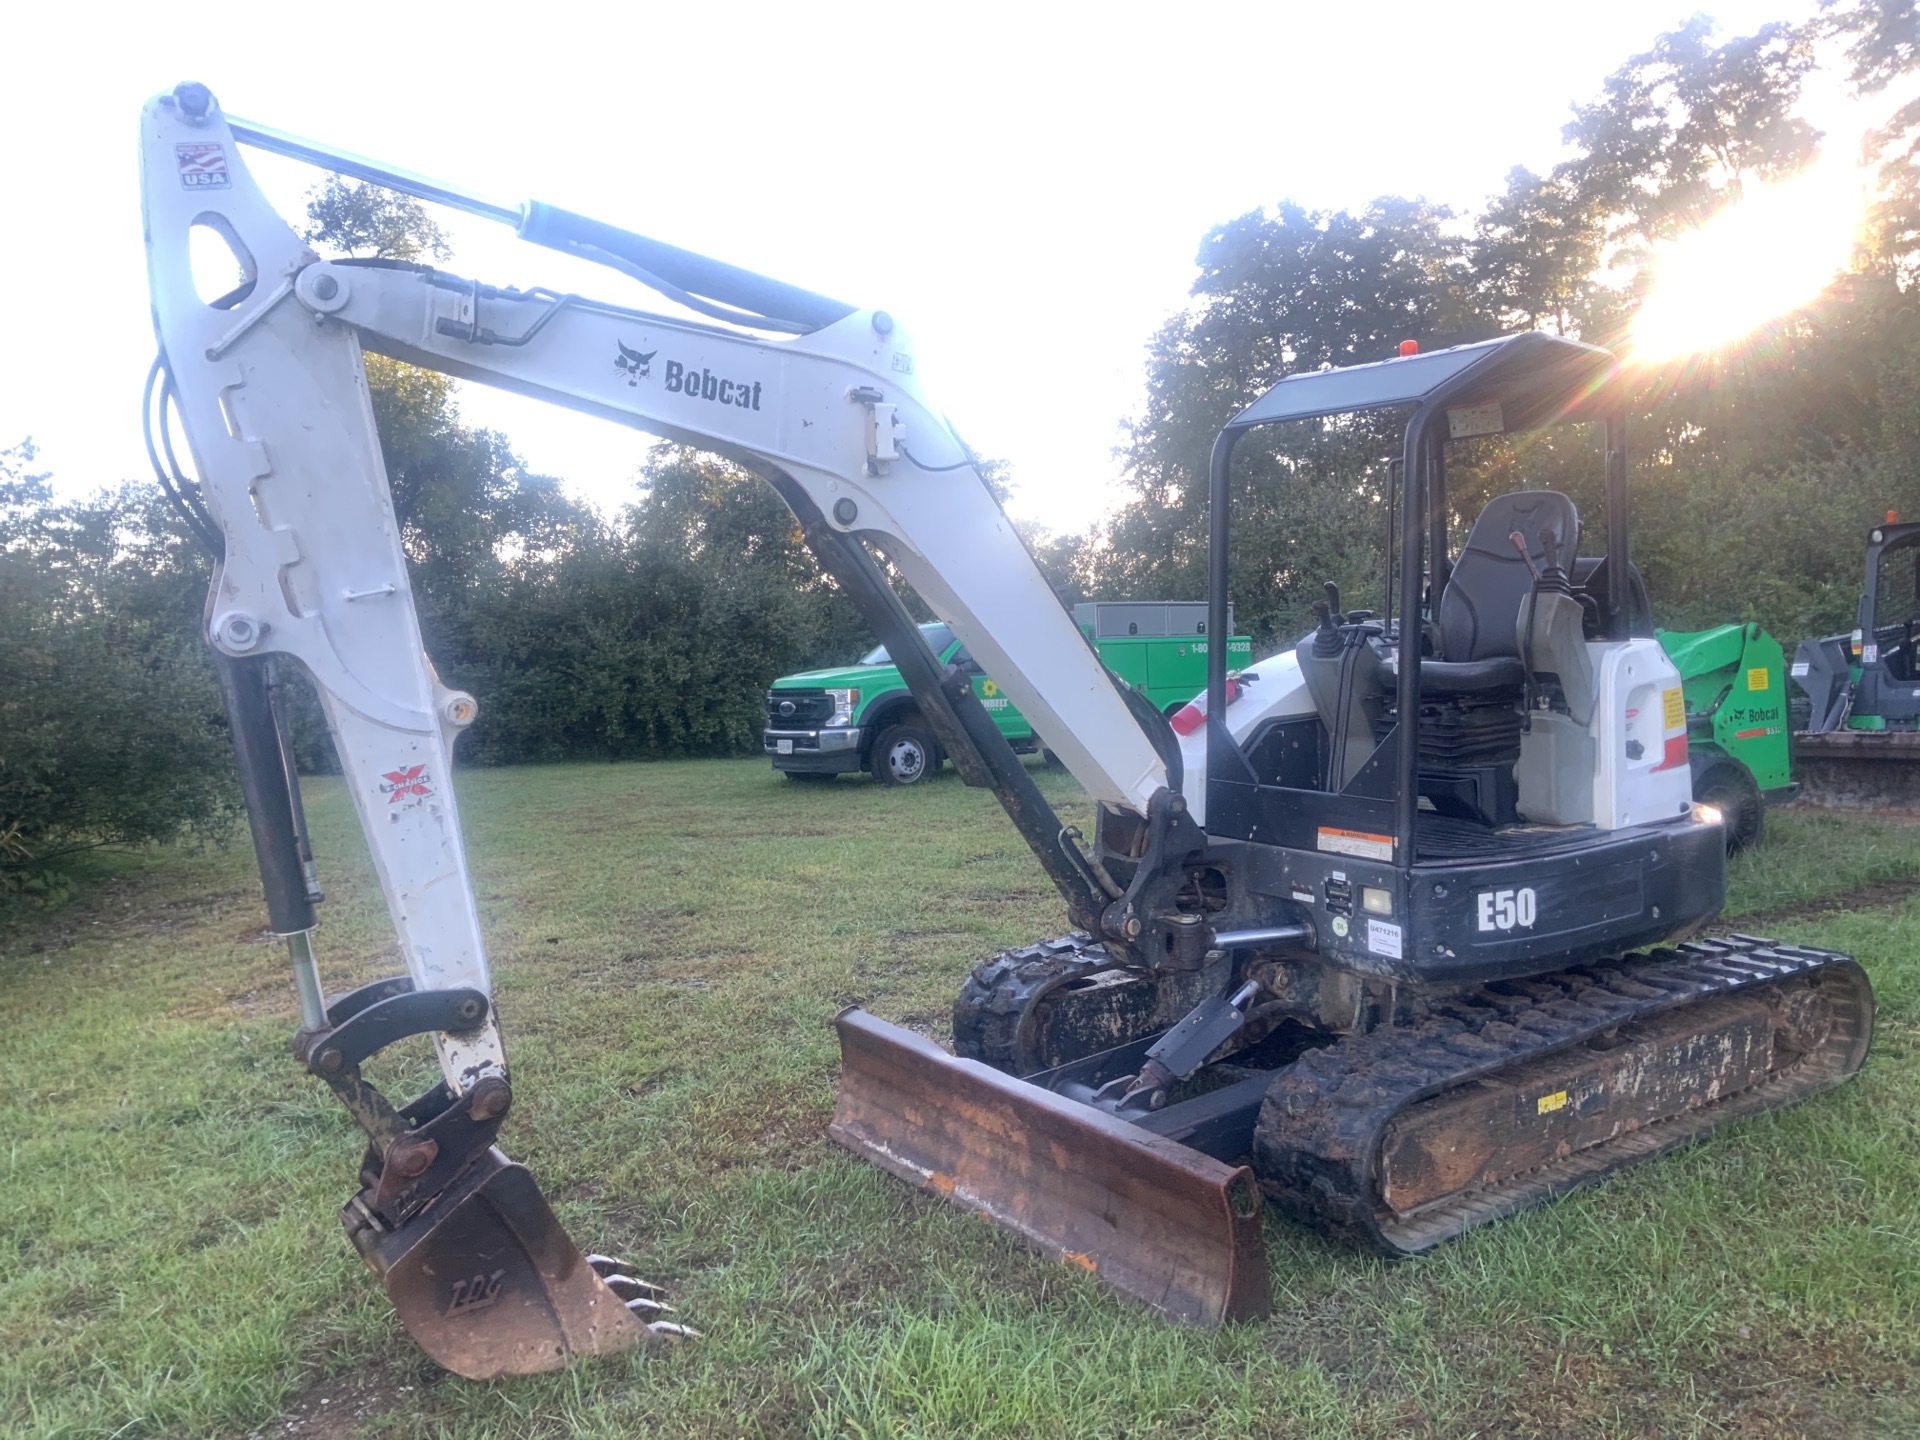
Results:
x,y
1023,185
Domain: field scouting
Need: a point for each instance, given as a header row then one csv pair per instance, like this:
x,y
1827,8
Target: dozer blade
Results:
x,y
487,1281
1157,1221
1859,769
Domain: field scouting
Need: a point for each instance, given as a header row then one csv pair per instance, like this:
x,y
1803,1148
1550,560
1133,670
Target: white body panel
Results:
x,y
1640,735
1637,703
1279,692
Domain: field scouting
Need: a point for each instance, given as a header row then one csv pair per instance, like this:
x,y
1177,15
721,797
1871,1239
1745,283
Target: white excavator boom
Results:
x,y
269,382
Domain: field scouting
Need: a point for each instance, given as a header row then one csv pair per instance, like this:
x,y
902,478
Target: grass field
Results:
x,y
670,942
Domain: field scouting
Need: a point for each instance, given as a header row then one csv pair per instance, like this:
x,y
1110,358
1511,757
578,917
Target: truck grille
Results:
x,y
810,708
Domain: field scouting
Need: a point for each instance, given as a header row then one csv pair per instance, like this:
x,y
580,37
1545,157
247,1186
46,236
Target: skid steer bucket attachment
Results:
x,y
1155,1220
487,1281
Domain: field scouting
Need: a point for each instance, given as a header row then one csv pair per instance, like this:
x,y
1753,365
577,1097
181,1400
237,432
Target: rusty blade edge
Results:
x,y
1163,1224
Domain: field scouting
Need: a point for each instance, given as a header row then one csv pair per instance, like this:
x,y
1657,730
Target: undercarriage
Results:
x,y
1440,1110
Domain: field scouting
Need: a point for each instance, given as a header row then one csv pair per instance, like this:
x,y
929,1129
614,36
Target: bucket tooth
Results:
x,y
1156,1221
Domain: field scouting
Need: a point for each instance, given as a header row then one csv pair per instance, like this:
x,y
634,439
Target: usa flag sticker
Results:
x,y
203,165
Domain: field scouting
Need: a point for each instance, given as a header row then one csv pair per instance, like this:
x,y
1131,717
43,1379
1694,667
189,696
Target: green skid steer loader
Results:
x,y
1734,678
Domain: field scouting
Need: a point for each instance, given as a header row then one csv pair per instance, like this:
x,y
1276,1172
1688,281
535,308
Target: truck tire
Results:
x,y
1729,787
905,754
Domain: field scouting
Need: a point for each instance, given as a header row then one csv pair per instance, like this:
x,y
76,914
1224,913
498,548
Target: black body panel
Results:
x,y
1463,921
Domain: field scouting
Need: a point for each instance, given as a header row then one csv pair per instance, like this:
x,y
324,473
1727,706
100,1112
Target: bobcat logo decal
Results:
x,y
632,364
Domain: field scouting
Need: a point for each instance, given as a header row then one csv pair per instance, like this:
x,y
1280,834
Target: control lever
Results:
x,y
1540,584
1519,542
1326,637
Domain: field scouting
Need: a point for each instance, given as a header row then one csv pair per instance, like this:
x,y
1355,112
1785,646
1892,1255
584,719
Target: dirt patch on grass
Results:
x,y
338,1408
1867,897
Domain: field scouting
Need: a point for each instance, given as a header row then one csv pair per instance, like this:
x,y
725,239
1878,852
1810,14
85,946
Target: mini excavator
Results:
x,y
1391,929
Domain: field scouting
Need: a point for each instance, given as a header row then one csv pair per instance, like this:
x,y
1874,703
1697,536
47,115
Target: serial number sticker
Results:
x,y
1465,420
783,747
1673,710
1383,938
1358,843
1757,678
1799,669
1547,1104
1305,897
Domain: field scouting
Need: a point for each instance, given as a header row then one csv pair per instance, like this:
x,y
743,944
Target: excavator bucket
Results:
x,y
489,1284
1161,1223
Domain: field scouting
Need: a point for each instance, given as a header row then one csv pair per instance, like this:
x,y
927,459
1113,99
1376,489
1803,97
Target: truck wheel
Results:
x,y
904,755
1729,787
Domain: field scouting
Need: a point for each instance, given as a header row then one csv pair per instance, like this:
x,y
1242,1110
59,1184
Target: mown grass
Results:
x,y
670,942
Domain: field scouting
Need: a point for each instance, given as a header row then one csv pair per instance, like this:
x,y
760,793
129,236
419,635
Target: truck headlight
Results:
x,y
845,702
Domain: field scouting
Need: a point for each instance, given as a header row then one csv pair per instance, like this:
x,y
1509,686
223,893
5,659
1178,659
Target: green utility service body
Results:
x,y
863,717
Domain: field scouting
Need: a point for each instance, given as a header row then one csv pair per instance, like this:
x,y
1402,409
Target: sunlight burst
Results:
x,y
1771,252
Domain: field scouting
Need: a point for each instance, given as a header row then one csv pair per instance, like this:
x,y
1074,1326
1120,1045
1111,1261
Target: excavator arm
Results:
x,y
818,398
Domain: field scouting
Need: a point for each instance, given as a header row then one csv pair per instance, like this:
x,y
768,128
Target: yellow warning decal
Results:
x,y
1757,678
1547,1104
1673,710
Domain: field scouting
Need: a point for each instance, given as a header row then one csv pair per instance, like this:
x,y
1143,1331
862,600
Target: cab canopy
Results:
x,y
1533,380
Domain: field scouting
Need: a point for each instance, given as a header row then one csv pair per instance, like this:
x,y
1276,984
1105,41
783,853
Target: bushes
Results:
x,y
111,726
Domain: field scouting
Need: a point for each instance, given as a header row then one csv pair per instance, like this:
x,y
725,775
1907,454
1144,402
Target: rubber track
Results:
x,y
1002,991
1318,1139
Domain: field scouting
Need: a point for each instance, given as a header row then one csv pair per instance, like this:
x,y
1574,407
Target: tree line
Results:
x,y
653,632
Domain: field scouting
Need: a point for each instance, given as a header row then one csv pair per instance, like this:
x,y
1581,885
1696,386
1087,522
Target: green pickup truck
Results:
x,y
824,723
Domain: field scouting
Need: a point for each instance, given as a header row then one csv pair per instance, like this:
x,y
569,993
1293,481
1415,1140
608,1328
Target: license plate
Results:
x,y
783,747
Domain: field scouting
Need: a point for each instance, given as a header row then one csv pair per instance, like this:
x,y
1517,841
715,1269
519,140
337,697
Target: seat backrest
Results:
x,y
1481,603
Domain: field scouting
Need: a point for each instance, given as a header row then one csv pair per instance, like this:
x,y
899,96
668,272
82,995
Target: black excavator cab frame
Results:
x,y
1390,887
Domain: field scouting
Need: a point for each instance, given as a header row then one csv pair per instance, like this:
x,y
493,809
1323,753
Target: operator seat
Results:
x,y
1477,642
1473,690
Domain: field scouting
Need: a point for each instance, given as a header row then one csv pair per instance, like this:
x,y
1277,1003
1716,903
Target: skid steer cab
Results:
x,y
1857,742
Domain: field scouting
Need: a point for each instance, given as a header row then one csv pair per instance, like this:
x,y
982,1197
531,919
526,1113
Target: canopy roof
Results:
x,y
1534,378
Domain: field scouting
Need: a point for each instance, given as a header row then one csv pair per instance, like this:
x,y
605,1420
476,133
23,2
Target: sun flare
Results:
x,y
1771,252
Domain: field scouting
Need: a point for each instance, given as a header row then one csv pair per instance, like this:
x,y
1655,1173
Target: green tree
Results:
x,y
111,728
373,223
1757,468
1882,39
1278,292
